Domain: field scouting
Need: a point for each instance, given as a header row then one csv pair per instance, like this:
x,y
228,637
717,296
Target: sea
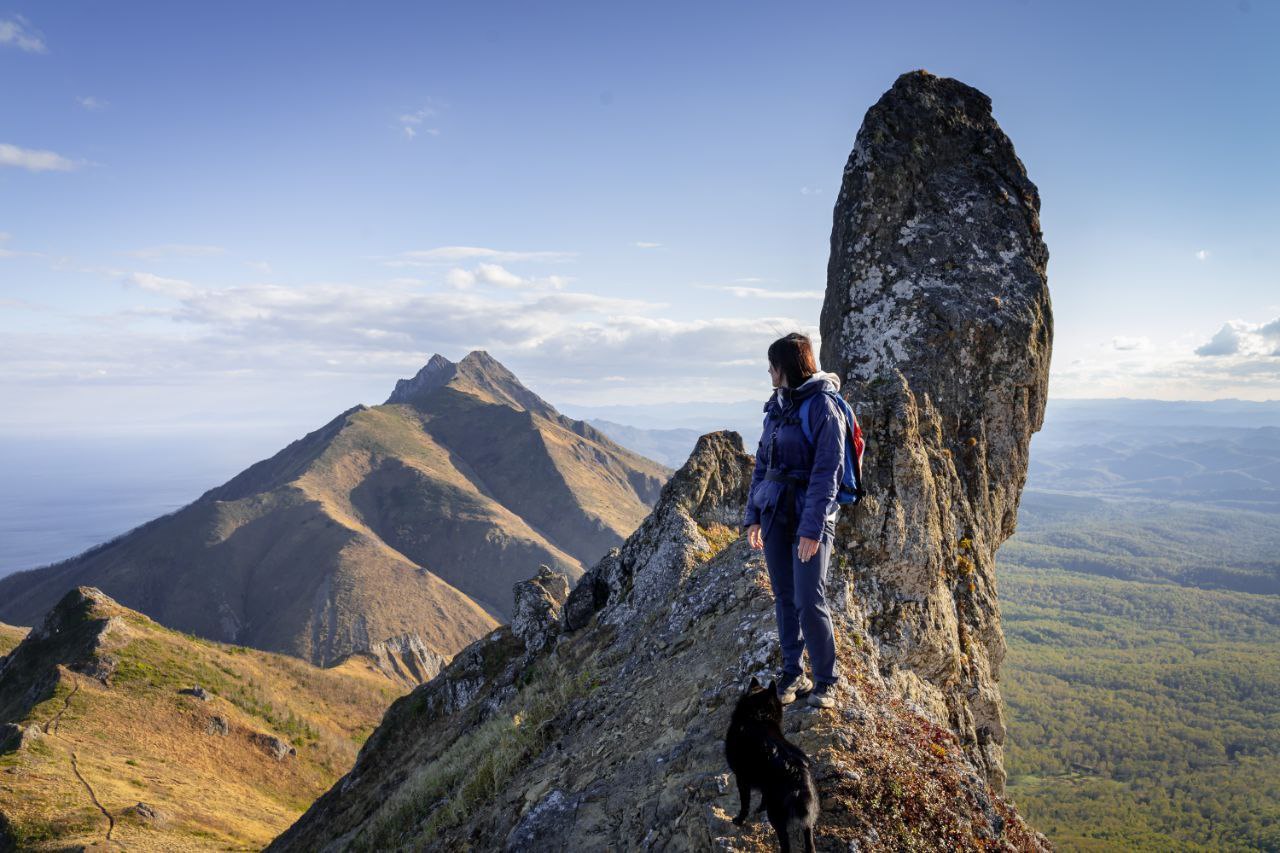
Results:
x,y
61,495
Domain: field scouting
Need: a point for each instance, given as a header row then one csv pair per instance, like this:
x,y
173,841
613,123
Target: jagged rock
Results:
x,y
590,595
217,725
407,658
196,691
14,737
612,737
937,317
538,601
544,824
273,746
100,667
668,544
436,372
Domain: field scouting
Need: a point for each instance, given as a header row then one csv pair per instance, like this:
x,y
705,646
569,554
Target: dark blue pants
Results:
x,y
800,600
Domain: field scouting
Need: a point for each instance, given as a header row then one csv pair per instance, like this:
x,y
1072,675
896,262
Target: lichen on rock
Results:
x,y
937,318
535,616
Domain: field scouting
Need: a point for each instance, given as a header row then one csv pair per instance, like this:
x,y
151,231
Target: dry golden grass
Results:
x,y
10,636
139,740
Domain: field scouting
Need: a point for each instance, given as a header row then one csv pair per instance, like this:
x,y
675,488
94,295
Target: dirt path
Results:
x,y
51,727
111,822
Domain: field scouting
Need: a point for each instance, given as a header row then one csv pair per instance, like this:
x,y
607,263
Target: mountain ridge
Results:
x,y
596,720
367,530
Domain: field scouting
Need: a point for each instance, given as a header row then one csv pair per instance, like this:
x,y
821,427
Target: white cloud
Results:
x,y
92,104
810,191
269,333
453,254
16,32
412,123
763,293
641,244
1236,337
460,278
174,287
1202,255
498,276
176,250
34,160
1240,360
1125,344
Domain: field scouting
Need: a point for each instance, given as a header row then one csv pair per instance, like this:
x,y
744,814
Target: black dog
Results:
x,y
763,759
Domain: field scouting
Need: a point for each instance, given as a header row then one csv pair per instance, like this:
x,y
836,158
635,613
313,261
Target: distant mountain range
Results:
x,y
397,529
1222,452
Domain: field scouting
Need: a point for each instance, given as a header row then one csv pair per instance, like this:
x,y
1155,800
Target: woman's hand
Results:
x,y
807,548
754,539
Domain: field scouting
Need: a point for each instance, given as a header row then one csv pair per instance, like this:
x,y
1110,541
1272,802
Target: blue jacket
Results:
x,y
783,448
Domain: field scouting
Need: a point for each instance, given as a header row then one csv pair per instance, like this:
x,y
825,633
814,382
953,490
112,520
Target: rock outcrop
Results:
x,y
610,735
536,615
937,318
81,633
407,659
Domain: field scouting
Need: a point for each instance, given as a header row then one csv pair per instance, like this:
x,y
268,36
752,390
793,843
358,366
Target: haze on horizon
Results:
x,y
226,215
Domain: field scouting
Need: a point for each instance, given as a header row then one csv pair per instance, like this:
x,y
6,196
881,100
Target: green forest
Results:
x,y
1142,686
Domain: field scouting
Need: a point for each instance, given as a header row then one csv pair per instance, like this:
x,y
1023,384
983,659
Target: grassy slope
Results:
x,y
140,741
1143,714
10,636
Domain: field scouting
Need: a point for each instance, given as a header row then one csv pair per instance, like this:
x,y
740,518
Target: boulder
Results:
x,y
538,602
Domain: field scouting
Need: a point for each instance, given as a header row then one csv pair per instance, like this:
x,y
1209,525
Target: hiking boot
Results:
x,y
823,696
793,685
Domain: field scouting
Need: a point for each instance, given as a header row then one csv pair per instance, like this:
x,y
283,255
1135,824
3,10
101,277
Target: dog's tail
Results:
x,y
804,812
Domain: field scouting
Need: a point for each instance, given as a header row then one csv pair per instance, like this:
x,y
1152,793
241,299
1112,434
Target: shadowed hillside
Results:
x,y
397,529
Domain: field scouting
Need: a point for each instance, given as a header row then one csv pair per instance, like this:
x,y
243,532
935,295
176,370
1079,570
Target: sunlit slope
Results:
x,y
10,636
98,725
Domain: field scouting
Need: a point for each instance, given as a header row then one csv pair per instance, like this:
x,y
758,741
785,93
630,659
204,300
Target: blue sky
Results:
x,y
239,212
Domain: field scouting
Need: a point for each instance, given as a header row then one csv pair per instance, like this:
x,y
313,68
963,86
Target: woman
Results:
x,y
793,492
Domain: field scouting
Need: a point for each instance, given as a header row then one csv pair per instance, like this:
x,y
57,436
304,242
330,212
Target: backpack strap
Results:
x,y
804,418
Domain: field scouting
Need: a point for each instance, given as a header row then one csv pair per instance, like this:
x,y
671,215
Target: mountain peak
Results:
x,y
437,371
478,373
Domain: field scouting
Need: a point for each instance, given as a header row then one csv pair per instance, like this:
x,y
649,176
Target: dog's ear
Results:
x,y
755,682
773,687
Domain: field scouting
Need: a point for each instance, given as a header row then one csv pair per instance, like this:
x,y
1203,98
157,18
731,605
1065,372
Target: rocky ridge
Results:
x,y
600,724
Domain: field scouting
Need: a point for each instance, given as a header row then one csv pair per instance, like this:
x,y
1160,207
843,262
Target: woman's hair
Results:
x,y
793,355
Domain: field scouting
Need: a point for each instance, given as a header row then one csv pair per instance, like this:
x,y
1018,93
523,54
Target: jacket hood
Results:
x,y
813,385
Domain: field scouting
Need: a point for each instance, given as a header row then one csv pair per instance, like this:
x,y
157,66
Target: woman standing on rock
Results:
x,y
794,492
